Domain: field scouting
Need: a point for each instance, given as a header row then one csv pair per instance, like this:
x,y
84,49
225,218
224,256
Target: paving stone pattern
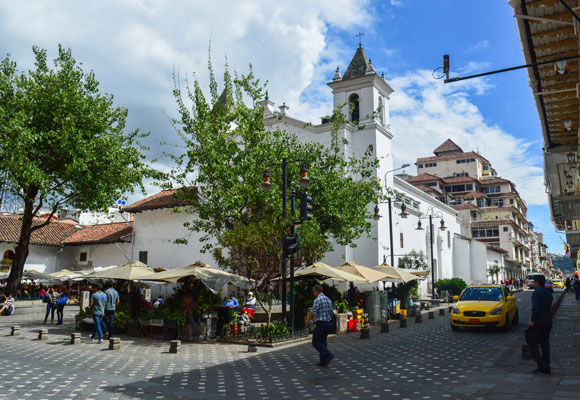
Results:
x,y
423,361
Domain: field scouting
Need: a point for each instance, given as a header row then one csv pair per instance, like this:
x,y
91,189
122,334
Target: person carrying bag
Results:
x,y
60,303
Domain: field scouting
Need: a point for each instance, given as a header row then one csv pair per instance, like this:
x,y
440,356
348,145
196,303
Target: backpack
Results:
x,y
62,300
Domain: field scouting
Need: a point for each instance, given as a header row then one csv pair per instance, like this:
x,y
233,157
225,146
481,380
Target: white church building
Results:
x,y
150,233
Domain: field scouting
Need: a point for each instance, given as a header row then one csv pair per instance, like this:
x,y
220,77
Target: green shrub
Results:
x,y
454,286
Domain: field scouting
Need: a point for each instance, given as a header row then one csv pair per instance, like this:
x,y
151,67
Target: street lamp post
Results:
x,y
403,214
266,186
430,214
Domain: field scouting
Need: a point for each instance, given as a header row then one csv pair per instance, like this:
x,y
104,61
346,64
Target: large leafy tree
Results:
x,y
62,142
227,150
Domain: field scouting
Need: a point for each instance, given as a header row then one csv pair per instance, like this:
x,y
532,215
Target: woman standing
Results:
x,y
60,303
51,298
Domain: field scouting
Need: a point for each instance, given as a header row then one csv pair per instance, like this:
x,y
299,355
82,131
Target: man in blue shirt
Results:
x,y
232,302
98,302
111,307
322,311
538,333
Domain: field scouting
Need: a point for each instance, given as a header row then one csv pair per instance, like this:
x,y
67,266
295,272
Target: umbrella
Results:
x,y
35,275
213,278
65,274
398,274
327,272
130,271
369,275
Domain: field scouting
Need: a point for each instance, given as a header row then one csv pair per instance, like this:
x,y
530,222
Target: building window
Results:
x,y
402,241
505,228
485,232
448,239
354,107
431,184
491,189
83,257
143,257
459,174
420,165
430,165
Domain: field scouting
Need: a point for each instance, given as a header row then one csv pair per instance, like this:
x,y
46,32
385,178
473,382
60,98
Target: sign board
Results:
x,y
85,299
147,294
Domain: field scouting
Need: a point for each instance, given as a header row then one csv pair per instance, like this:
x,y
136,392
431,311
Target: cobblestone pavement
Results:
x,y
423,361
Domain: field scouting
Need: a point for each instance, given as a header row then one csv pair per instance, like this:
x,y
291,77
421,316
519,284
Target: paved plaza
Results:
x,y
423,361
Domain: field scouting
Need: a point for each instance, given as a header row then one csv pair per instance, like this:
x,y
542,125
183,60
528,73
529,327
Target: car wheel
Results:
x,y
516,318
454,328
508,324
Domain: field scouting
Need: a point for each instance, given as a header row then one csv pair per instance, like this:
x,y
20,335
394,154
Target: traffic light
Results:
x,y
291,244
305,207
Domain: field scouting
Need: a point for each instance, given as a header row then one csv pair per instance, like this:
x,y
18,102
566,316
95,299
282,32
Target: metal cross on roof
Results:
x,y
359,35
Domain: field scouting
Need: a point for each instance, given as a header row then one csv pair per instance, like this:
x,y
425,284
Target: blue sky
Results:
x,y
134,46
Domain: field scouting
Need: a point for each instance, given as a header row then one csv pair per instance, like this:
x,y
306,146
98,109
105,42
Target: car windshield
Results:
x,y
482,293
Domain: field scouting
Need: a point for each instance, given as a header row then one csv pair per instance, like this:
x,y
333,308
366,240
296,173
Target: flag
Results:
x,y
566,248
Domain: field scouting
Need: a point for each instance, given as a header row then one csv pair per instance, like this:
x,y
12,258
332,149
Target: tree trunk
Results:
x,y
21,253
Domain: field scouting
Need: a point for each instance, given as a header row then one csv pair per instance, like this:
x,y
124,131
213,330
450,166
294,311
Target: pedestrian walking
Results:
x,y
576,286
538,332
111,307
50,297
60,303
321,313
98,302
567,283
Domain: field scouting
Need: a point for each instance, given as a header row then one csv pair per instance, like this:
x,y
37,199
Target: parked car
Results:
x,y
491,306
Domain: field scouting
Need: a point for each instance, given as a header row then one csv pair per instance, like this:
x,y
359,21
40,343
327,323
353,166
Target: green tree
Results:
x,y
228,150
494,271
62,142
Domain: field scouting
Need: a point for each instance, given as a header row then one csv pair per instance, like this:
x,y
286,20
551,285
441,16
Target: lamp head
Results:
x,y
304,181
266,185
377,215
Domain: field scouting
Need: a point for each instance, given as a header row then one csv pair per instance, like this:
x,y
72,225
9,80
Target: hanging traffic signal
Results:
x,y
291,244
305,207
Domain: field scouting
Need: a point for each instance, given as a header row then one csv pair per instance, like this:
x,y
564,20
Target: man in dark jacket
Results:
x,y
538,333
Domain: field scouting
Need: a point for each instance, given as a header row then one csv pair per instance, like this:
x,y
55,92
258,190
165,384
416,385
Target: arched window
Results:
x,y
7,258
381,111
354,107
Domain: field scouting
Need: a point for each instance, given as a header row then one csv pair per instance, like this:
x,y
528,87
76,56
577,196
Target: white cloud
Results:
x,y
477,46
396,3
134,45
425,112
474,67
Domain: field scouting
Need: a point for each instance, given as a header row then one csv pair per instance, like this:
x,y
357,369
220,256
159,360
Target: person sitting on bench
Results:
x,y
8,305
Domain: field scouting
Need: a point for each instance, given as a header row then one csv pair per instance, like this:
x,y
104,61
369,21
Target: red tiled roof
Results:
x,y
495,248
423,178
493,181
52,234
459,179
469,154
446,146
474,194
100,234
428,189
164,199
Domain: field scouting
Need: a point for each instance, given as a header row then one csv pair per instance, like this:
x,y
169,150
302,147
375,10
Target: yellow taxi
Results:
x,y
485,305
558,284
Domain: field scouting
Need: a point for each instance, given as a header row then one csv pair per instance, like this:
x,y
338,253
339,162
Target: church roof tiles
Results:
x,y
358,65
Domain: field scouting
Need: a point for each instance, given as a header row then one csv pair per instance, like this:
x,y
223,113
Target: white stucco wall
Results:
x,y
461,259
100,255
40,258
155,232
